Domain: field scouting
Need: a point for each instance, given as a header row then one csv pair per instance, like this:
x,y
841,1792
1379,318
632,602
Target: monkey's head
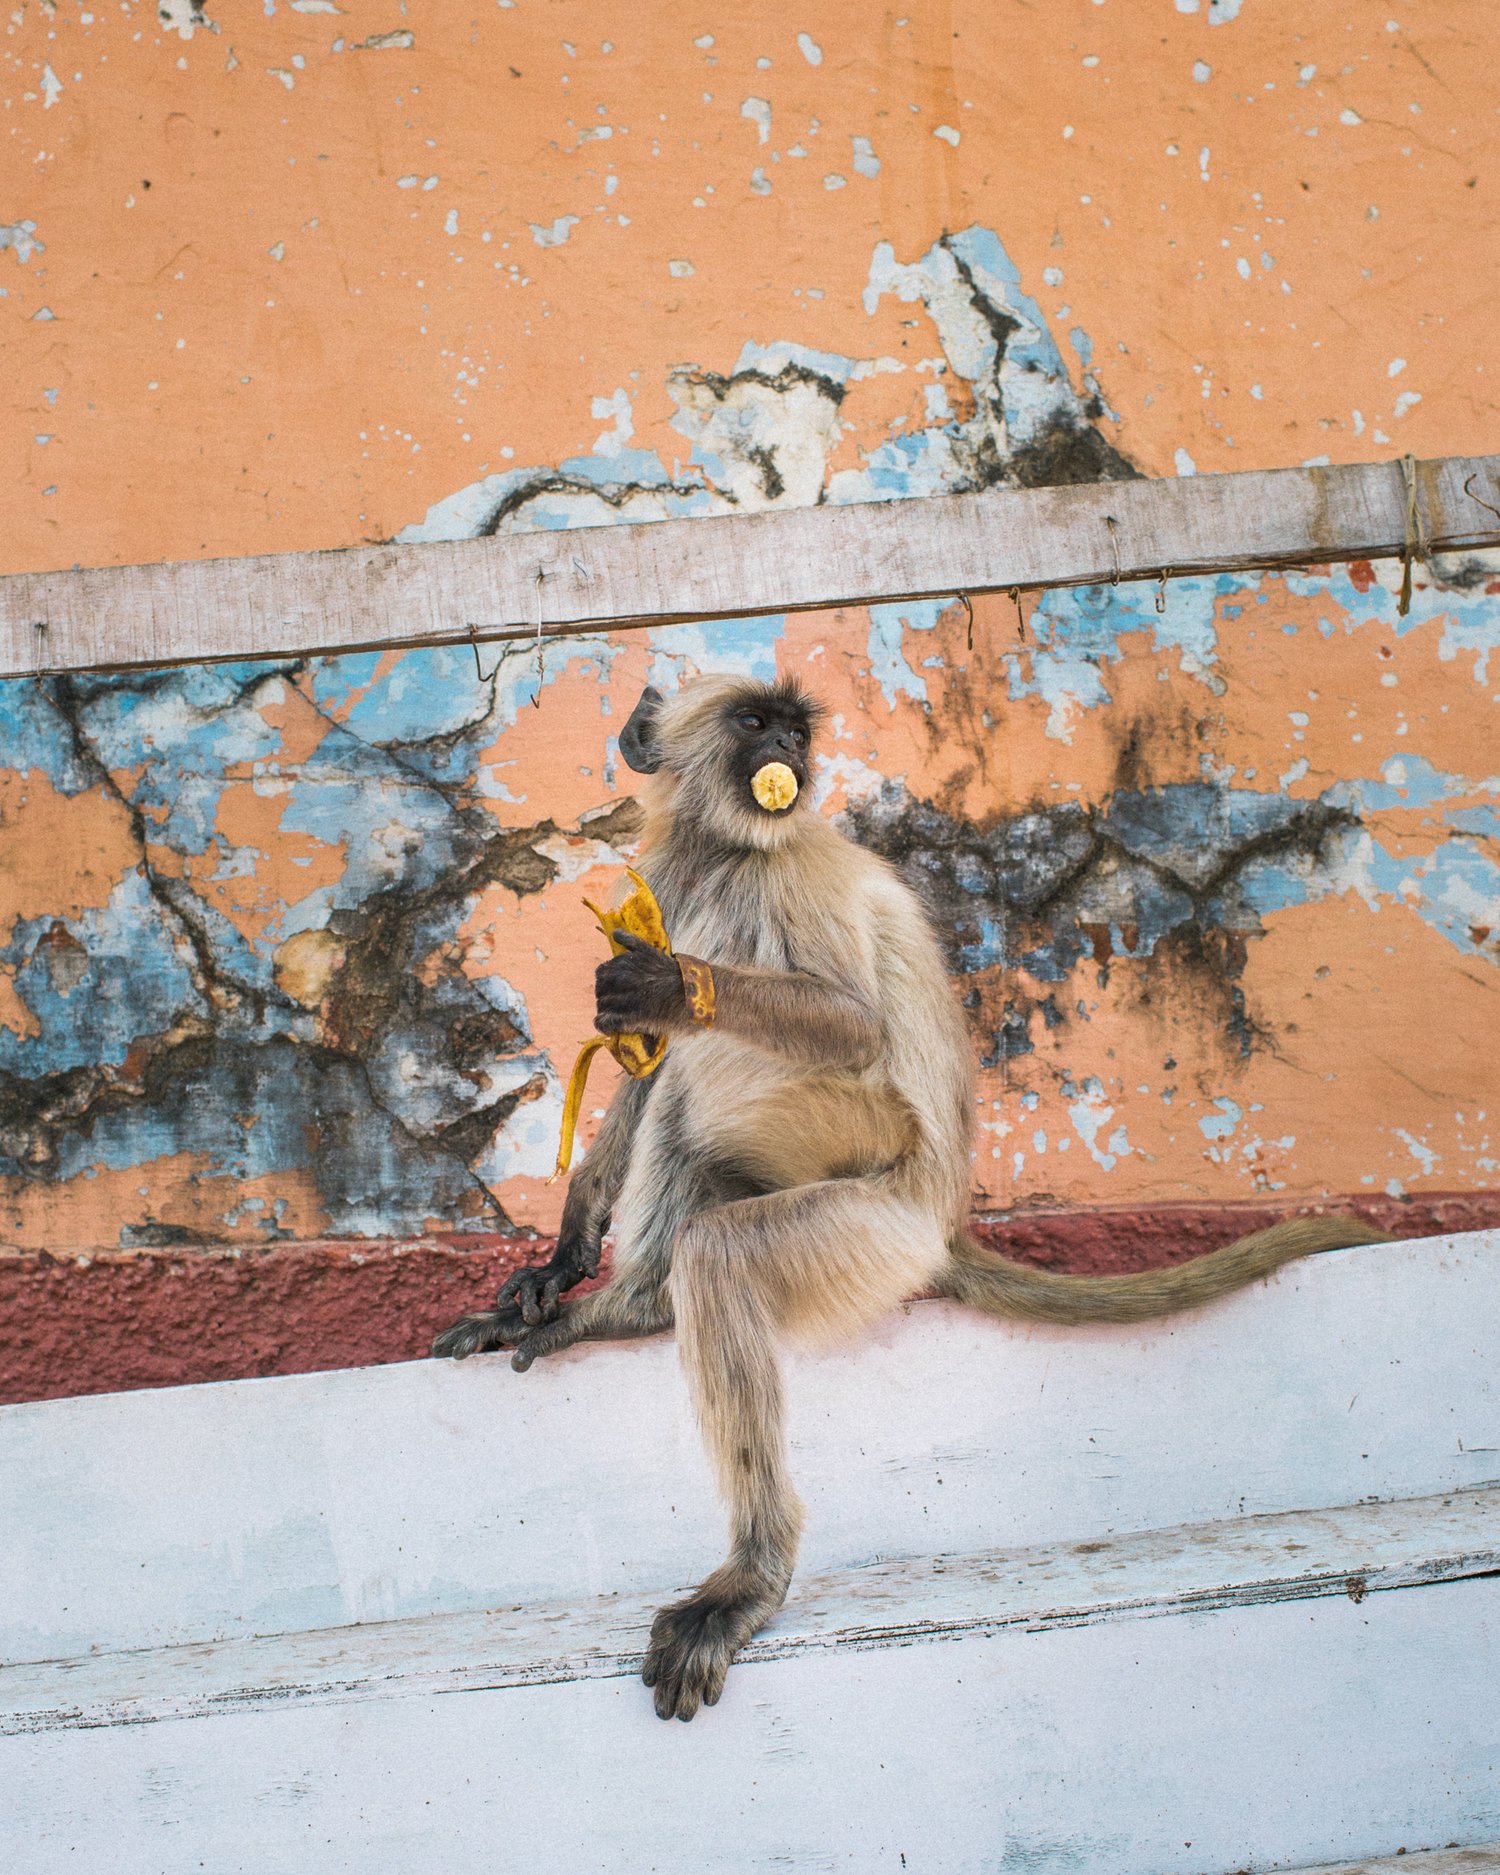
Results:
x,y
710,741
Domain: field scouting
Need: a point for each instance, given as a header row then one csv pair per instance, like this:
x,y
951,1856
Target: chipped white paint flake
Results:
x,y
948,134
401,40
758,110
555,233
20,237
809,49
51,87
613,441
1090,1115
183,17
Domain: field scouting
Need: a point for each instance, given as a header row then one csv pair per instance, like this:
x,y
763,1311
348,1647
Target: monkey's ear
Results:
x,y
638,737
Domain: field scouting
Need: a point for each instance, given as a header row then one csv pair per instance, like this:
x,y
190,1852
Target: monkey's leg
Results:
x,y
814,1261
666,1183
637,1302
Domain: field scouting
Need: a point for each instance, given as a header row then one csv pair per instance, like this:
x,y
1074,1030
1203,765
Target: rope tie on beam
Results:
x,y
1415,545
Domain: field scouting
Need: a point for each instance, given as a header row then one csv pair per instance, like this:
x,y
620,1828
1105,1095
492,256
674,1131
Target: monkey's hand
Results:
x,y
529,1298
534,1293
640,992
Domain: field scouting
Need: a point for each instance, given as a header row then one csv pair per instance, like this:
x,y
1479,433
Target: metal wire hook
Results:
x,y
1480,498
1015,599
541,665
478,667
1114,541
1161,590
968,607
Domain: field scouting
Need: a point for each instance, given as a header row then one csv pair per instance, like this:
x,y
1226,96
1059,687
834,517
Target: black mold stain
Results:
x,y
510,511
1068,451
1154,876
383,1091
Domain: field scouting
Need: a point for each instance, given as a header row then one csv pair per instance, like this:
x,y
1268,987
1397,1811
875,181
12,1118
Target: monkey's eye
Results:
x,y
799,736
750,722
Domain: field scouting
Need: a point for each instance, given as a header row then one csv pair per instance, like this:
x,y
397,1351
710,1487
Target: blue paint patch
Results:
x,y
745,646
1222,1122
96,983
34,738
888,627
768,360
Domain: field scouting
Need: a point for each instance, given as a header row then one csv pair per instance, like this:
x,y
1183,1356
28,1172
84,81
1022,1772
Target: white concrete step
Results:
x,y
1219,1594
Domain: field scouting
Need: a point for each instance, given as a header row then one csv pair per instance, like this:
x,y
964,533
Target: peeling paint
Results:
x,y
21,238
288,949
767,434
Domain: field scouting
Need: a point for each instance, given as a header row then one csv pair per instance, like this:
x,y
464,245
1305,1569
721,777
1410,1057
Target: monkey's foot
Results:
x,y
536,1293
692,1644
478,1334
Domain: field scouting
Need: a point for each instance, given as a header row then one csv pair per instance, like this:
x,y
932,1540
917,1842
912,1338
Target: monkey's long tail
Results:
x,y
981,1279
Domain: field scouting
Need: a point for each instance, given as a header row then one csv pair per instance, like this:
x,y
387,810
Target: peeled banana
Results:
x,y
774,786
640,915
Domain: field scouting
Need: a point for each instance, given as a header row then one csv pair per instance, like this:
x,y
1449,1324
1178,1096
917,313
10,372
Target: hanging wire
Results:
x,y
541,662
478,667
1415,546
1480,498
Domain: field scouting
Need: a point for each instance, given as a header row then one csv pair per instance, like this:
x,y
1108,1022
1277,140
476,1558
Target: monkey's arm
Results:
x,y
787,1012
592,1191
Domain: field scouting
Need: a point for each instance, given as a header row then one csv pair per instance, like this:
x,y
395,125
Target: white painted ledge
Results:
x,y
1223,1593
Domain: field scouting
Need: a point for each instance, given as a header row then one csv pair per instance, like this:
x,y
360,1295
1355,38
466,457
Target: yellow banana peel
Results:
x,y
640,915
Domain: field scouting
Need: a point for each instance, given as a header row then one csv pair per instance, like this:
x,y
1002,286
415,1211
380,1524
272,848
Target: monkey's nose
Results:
x,y
784,740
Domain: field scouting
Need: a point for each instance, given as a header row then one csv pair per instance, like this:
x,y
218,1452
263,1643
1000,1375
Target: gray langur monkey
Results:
x,y
800,1162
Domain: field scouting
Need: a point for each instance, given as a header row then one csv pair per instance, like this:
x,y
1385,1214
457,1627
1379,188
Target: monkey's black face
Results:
x,y
739,752
768,726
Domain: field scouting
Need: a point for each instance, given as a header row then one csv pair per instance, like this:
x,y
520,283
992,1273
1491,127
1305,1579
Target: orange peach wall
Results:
x,y
295,949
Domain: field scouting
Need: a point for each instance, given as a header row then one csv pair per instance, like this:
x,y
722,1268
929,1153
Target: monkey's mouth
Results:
x,y
775,787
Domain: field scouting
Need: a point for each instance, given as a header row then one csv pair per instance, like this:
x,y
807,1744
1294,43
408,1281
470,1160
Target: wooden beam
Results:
x,y
587,580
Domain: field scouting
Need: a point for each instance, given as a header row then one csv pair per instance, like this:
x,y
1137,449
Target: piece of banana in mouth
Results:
x,y
774,786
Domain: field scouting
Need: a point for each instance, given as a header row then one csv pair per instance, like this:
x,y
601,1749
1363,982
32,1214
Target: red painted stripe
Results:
x,y
157,1318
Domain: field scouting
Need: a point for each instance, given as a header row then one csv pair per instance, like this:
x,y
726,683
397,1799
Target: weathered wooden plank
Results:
x,y
783,560
1355,1550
